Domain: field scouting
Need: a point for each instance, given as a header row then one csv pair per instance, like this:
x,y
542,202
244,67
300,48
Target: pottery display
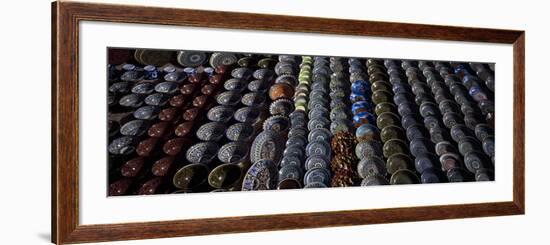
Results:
x,y
188,121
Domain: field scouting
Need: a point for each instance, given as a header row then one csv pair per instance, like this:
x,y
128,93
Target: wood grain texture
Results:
x,y
54,122
519,122
195,227
233,20
65,124
65,143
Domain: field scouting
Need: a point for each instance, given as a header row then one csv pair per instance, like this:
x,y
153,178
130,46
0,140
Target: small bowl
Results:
x,y
373,180
322,134
277,123
191,58
449,161
288,79
360,87
294,150
134,128
247,114
166,87
258,86
476,160
281,107
203,152
157,99
267,145
222,59
235,84
318,148
392,132
318,123
425,161
364,118
240,132
416,131
418,146
130,76
394,146
296,140
398,161
386,119
123,145
372,165
340,125
313,175
459,131
281,90
263,74
488,146
242,73
246,61
456,175
147,112
233,152
404,176
267,63
131,100
318,112
212,131
253,99
143,88
225,176
283,68
190,176
289,184
174,77
290,172
468,144
361,106
380,85
430,176
317,161
381,96
406,108
220,113
229,98
262,175
367,149
367,132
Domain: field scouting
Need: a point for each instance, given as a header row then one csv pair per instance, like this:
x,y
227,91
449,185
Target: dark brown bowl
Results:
x,y
225,176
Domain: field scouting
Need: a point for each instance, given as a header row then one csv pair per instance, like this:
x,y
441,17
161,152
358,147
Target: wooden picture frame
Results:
x,y
65,121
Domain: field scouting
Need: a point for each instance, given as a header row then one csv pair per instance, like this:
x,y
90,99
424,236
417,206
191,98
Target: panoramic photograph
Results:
x,y
186,121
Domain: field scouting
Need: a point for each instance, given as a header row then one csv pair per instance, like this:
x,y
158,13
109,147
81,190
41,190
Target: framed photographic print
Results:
x,y
174,122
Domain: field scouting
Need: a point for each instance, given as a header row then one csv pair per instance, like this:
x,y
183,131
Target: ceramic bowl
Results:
x,y
233,152
212,131
203,152
225,176
190,176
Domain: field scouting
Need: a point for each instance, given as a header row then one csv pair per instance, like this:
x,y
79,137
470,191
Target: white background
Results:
x,y
25,208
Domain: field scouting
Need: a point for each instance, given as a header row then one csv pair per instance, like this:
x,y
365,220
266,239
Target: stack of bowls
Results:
x,y
462,119
485,73
291,168
399,162
372,167
424,115
267,148
477,92
158,104
318,151
344,162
